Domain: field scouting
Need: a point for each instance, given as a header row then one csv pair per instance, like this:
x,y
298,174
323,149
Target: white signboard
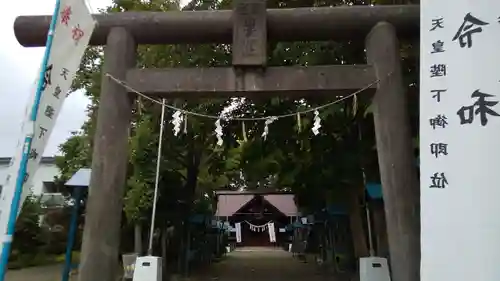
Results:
x,y
460,140
71,36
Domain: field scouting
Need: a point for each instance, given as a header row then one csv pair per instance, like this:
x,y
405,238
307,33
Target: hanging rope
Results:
x,y
257,226
261,118
180,115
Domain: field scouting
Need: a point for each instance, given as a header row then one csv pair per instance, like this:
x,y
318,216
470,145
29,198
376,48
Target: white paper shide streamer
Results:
x,y
218,132
238,232
268,122
317,123
257,228
272,232
177,119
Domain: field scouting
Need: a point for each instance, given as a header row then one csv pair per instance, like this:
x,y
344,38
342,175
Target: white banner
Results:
x,y
460,140
71,36
238,232
272,232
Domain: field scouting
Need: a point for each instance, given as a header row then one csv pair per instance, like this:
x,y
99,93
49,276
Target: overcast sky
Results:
x,y
19,71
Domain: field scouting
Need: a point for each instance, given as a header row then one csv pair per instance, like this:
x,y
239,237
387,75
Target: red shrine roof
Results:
x,y
229,202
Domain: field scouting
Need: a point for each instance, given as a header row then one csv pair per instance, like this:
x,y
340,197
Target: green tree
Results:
x,y
319,170
185,160
76,154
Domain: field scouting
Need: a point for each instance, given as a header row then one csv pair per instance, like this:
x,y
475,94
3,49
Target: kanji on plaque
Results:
x,y
470,26
437,23
437,47
41,132
439,149
438,180
437,94
66,15
440,121
78,33
438,70
33,154
49,111
65,73
481,107
57,92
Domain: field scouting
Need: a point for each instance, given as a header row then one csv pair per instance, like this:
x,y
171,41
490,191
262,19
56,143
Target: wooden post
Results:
x,y
100,249
395,154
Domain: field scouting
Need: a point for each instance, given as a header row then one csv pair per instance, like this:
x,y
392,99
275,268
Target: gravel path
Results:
x,y
246,264
261,264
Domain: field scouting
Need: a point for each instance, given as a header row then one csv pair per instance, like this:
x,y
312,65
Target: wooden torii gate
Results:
x,y
248,26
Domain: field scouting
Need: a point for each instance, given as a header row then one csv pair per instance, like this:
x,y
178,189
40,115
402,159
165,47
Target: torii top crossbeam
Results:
x,y
299,24
249,75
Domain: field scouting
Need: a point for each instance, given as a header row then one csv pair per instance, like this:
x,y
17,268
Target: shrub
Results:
x,y
29,236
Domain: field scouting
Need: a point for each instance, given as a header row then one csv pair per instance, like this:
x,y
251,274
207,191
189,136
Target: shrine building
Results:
x,y
257,218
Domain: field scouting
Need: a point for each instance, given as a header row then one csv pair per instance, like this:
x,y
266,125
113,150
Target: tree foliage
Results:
x,y
29,236
318,169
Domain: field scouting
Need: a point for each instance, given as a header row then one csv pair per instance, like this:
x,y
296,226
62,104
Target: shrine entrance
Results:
x,y
258,219
250,25
255,235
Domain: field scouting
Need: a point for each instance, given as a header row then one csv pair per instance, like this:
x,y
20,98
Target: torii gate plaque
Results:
x,y
250,25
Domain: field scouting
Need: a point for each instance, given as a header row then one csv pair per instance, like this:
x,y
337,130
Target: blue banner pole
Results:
x,y
14,207
73,226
